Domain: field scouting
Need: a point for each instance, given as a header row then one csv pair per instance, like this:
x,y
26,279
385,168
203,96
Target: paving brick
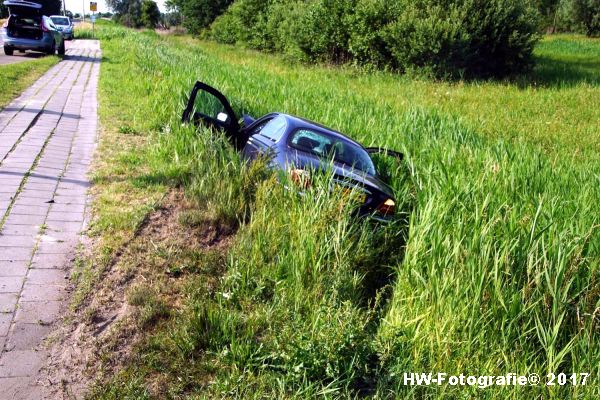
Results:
x,y
38,312
11,284
47,276
8,302
63,226
17,241
30,209
24,336
17,229
13,268
51,261
23,388
75,208
16,253
64,216
58,247
37,194
19,219
5,320
18,363
43,292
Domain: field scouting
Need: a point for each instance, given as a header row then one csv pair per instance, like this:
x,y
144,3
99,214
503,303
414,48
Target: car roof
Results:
x,y
59,16
302,123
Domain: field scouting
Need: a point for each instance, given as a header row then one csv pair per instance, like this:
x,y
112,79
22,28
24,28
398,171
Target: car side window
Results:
x,y
312,142
323,145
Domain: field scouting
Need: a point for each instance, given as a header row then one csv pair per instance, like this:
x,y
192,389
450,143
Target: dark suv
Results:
x,y
28,29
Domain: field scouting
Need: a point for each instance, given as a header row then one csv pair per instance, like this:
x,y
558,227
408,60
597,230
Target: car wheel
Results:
x,y
52,50
8,51
61,49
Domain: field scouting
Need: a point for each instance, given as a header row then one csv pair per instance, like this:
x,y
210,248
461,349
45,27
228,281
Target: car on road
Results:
x,y
64,25
28,29
300,147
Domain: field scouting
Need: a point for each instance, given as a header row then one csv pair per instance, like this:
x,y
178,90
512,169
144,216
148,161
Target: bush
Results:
x,y
244,22
446,38
470,38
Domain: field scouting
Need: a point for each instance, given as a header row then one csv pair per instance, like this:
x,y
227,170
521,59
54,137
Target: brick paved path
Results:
x,y
47,139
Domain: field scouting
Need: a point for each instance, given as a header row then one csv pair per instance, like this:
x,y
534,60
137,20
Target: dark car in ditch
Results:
x,y
28,29
298,146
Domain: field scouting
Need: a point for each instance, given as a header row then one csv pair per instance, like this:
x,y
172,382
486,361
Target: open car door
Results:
x,y
23,8
386,162
207,106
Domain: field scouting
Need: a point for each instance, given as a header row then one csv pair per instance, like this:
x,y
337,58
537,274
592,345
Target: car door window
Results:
x,y
207,105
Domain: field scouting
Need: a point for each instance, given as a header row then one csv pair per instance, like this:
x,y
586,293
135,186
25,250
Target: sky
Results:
x,y
75,6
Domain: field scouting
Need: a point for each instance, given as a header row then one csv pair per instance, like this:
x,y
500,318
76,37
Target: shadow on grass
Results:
x,y
551,72
146,180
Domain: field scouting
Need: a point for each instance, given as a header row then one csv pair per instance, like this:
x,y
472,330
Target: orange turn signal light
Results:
x,y
387,208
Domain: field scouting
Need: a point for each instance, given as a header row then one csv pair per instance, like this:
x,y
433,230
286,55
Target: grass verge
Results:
x,y
496,271
14,78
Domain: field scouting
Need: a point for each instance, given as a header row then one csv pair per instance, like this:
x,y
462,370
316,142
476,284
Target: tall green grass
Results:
x,y
496,270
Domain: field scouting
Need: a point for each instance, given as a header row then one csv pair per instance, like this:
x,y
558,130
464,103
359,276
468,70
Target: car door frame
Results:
x,y
232,128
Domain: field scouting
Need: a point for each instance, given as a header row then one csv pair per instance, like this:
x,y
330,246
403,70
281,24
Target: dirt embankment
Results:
x,y
141,286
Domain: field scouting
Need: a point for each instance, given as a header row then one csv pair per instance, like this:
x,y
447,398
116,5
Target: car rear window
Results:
x,y
60,20
327,146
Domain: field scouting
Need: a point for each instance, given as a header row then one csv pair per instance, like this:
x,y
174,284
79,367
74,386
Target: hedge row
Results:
x,y
444,38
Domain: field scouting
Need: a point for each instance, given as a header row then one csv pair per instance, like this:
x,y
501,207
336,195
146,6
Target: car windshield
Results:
x,y
60,20
274,129
327,146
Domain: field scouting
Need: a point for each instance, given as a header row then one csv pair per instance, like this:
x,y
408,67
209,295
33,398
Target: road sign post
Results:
x,y
93,9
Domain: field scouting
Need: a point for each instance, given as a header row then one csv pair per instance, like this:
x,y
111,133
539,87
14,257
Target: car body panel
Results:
x,y
270,136
27,29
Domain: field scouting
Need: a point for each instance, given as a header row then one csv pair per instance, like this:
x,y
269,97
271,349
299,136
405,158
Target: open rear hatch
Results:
x,y
25,19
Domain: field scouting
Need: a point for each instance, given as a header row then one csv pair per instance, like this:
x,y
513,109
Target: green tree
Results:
x,y
548,11
587,13
128,12
199,14
50,7
150,14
